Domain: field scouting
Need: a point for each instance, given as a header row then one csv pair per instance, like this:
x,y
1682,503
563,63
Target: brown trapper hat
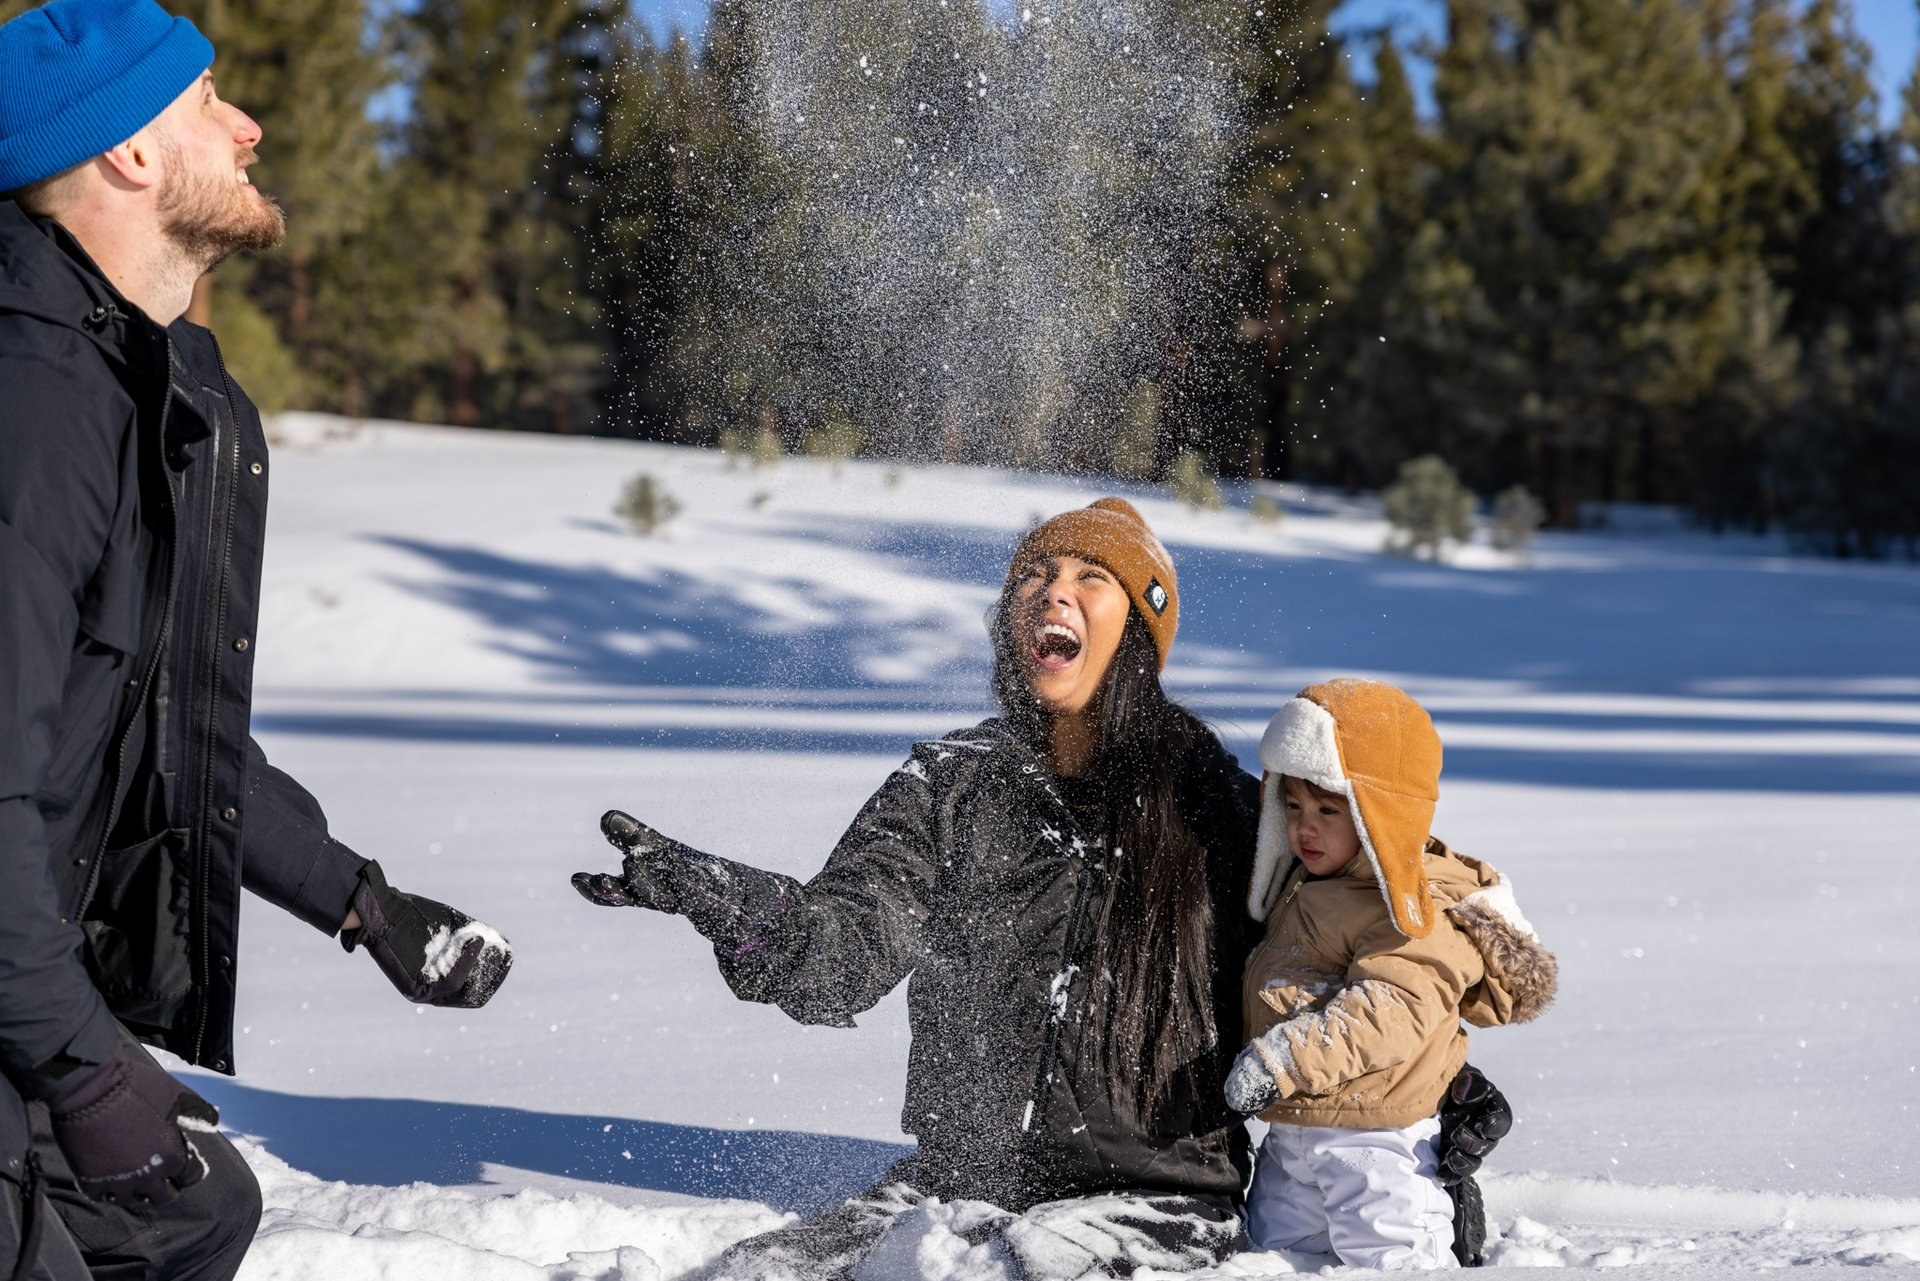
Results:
x,y
1376,746
1113,534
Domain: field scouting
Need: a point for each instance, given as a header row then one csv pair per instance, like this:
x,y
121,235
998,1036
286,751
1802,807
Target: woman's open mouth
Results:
x,y
1055,646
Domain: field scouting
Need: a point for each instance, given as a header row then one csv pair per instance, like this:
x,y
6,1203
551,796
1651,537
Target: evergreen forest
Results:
x,y
1659,251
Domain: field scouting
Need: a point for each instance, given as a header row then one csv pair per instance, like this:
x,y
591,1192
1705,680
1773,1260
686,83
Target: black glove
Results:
x,y
655,870
432,953
122,1128
731,904
1474,1117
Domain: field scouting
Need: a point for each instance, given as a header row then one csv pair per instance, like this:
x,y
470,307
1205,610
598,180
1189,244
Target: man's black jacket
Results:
x,y
970,870
134,804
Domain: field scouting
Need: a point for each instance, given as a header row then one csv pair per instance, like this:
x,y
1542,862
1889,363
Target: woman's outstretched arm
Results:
x,y
823,951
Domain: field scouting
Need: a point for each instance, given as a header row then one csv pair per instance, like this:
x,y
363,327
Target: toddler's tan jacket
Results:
x,y
1373,1033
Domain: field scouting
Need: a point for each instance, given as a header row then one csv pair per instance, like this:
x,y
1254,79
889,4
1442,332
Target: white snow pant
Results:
x,y
1367,1196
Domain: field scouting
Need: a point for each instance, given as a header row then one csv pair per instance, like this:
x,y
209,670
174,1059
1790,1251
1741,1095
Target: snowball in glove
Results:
x,y
432,953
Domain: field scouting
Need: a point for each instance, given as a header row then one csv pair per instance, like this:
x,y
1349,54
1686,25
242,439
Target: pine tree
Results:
x,y
1296,204
1851,451
653,168
1575,260
493,94
308,72
1372,399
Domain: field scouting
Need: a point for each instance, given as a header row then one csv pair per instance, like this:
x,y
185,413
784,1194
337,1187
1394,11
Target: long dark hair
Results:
x,y
1153,948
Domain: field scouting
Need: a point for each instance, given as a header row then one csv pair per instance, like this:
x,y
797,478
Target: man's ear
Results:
x,y
136,164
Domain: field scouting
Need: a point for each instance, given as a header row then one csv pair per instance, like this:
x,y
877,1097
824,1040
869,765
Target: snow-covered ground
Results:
x,y
1698,759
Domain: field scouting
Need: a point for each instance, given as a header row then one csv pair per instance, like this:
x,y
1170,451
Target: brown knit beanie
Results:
x,y
1112,534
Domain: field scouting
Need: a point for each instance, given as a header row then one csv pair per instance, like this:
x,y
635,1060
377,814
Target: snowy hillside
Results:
x,y
1698,760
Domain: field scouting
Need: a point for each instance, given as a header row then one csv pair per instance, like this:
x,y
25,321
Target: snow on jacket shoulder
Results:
x,y
1371,1017
969,871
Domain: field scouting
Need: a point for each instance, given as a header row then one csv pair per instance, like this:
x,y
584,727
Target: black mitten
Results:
x,y
1474,1117
432,953
123,1130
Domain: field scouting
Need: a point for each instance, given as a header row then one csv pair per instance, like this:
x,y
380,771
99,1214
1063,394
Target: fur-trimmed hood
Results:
x,y
1522,975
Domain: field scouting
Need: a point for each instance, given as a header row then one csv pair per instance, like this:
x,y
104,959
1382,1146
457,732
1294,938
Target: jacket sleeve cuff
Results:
x,y
326,892
92,1045
287,856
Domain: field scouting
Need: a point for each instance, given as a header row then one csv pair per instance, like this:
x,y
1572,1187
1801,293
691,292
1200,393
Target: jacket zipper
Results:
x,y
1275,919
1286,899
153,662
204,911
1050,1045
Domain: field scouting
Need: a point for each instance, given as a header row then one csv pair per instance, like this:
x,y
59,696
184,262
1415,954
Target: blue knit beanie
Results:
x,y
79,77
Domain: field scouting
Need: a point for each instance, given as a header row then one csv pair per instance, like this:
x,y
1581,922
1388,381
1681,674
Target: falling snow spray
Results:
x,y
977,231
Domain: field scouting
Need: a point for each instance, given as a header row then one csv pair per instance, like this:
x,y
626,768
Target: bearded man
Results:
x,y
134,804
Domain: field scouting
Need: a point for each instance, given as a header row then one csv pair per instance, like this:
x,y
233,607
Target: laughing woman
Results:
x,y
1066,884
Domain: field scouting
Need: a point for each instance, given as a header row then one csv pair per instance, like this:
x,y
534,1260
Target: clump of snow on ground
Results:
x,y
326,1231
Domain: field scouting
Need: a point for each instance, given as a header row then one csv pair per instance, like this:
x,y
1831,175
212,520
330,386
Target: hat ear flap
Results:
x,y
1272,859
1393,831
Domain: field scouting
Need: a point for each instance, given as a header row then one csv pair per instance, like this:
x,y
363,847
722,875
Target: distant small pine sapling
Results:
x,y
646,505
1427,507
1517,517
1192,482
767,449
1139,429
1268,511
836,439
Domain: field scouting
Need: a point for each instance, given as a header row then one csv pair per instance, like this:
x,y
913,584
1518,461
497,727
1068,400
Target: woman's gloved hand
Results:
x,y
654,869
734,906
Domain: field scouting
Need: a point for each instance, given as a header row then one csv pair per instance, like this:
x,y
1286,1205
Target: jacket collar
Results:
x,y
46,274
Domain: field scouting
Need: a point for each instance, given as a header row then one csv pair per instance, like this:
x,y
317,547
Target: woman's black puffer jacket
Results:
x,y
969,870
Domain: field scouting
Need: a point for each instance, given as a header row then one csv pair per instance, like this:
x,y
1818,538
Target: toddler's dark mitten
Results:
x,y
432,953
123,1129
1474,1117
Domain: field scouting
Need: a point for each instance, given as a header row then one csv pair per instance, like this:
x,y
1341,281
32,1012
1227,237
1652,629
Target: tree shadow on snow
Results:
x,y
1639,622
394,1142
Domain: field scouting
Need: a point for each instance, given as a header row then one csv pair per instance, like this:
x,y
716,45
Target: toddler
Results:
x,y
1379,941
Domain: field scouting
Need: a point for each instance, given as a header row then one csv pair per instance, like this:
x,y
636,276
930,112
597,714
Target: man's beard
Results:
x,y
209,218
